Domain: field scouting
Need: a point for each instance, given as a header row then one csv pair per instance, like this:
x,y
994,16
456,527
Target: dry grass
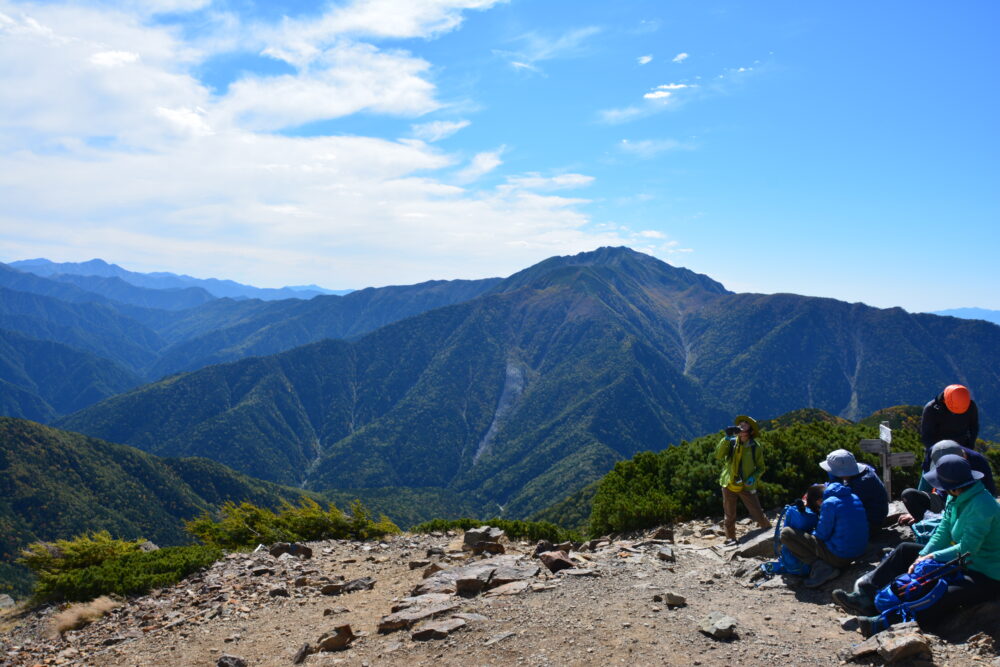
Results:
x,y
78,615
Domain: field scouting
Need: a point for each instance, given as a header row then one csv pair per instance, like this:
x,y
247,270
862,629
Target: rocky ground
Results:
x,y
676,597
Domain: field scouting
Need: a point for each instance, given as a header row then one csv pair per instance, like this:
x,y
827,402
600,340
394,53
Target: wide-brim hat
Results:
x,y
944,448
754,429
840,463
951,472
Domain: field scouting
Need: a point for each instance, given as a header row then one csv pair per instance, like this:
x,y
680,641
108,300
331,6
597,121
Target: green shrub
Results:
x,y
528,530
245,525
131,574
53,558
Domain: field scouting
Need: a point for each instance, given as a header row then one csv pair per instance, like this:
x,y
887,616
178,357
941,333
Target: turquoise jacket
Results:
x,y
970,523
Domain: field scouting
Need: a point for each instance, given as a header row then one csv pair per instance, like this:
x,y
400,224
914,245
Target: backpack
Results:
x,y
787,562
910,593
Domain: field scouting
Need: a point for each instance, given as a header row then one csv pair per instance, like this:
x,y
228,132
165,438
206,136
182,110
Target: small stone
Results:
x,y
666,554
304,651
674,600
333,611
556,560
280,591
231,661
417,564
338,640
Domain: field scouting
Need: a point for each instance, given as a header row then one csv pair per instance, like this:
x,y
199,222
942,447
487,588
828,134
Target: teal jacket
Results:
x,y
970,523
744,464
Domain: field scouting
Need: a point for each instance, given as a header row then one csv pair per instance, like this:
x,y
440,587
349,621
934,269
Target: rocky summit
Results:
x,y
619,601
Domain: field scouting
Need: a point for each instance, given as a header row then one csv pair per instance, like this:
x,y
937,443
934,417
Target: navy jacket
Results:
x,y
979,462
939,423
868,487
843,524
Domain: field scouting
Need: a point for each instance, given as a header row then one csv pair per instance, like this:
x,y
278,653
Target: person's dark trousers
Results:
x,y
974,587
918,503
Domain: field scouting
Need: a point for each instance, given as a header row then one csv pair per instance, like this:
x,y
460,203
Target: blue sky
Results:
x,y
846,150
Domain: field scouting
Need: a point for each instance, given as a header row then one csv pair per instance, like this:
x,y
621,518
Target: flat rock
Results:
x,y
718,625
507,574
757,546
437,629
410,617
473,579
421,601
894,646
513,588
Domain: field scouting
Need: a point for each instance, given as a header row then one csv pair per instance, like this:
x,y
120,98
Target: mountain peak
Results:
x,y
637,265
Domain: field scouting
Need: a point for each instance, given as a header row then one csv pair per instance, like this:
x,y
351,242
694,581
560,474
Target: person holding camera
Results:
x,y
743,464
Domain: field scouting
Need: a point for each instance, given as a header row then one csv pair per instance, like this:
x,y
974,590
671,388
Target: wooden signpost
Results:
x,y
888,458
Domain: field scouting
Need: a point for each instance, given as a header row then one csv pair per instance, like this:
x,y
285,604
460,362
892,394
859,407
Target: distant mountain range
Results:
x,y
138,334
534,386
214,287
972,314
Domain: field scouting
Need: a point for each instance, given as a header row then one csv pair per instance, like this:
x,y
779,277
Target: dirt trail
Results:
x,y
609,611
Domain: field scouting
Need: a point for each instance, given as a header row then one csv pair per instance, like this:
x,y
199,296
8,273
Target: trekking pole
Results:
x,y
946,568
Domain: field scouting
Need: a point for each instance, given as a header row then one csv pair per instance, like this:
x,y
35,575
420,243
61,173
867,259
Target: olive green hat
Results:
x,y
754,428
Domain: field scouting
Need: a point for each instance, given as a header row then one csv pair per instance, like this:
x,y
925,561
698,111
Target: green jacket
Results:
x,y
744,464
970,523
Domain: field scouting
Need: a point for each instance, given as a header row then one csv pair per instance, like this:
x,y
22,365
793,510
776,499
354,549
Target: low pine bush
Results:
x,y
245,525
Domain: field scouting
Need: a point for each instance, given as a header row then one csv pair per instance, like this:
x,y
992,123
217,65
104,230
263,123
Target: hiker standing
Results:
x,y
952,415
970,524
841,466
743,461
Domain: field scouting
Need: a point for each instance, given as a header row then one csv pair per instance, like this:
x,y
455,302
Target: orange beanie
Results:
x,y
956,398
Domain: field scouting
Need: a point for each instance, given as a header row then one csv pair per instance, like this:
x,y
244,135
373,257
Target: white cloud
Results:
x,y
113,58
680,57
622,115
652,234
110,146
438,129
648,148
644,60
534,181
480,165
657,100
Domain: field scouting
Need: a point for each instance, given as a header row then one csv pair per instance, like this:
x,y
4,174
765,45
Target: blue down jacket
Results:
x,y
868,487
843,524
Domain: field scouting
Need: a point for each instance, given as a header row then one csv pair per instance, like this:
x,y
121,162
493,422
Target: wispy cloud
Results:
x,y
679,58
438,129
534,181
655,101
480,165
644,60
648,148
533,48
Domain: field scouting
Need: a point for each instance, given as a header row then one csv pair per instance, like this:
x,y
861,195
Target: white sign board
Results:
x,y
872,446
885,433
902,459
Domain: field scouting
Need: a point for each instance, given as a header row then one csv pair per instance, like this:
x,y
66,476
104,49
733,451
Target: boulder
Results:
x,y
566,546
338,640
492,548
894,646
507,574
718,625
148,547
362,584
556,560
474,536
473,579
664,533
758,546
542,547
230,661
437,629
6,601
432,569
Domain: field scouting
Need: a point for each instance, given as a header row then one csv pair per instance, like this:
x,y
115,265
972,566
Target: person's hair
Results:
x,y
814,495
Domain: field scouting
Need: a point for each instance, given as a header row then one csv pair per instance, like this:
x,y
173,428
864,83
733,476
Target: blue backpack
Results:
x,y
787,562
910,593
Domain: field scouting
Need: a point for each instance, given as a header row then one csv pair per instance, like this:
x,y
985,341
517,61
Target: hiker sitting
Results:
x,y
918,503
970,525
864,482
840,536
743,464
802,515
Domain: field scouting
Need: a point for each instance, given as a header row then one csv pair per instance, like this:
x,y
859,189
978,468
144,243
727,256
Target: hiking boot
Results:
x,y
871,625
730,543
855,603
820,573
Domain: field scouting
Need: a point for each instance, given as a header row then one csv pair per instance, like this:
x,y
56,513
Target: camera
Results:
x,y
732,430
